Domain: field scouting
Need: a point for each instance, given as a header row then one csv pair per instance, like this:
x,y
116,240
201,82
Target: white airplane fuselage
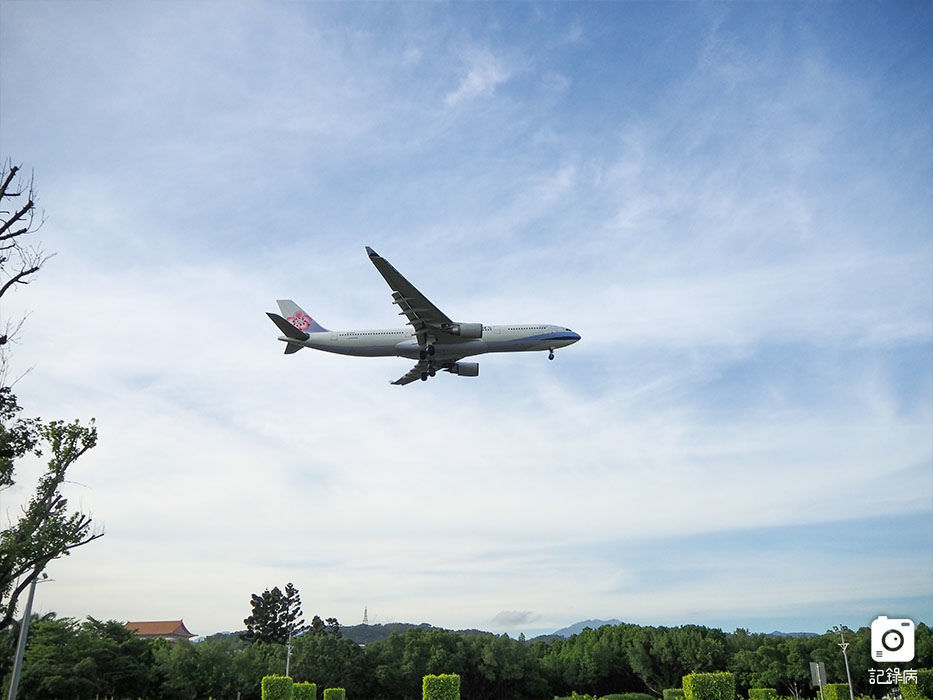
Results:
x,y
402,342
434,340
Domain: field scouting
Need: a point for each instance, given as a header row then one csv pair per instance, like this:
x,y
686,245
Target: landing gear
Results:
x,y
426,352
424,376
432,371
550,354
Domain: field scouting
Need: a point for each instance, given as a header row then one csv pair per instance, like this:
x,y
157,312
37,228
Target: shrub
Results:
x,y
628,696
836,691
762,694
443,687
674,694
710,686
335,694
277,688
922,689
304,691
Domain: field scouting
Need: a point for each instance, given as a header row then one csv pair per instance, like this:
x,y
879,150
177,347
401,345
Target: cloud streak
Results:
x,y
739,242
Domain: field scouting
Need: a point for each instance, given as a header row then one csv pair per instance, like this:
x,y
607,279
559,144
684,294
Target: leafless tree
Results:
x,y
20,258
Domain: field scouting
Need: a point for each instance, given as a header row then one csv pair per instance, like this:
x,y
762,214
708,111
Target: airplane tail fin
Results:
x,y
298,318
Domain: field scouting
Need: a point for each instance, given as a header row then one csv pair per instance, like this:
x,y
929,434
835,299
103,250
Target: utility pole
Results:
x,y
288,655
23,633
841,629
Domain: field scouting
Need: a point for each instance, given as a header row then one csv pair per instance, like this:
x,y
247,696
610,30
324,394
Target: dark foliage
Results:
x,y
276,616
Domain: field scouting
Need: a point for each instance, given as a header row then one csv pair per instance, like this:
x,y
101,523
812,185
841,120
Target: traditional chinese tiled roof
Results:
x,y
165,628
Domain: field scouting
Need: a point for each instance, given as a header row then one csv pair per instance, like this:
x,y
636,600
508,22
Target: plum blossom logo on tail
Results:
x,y
300,320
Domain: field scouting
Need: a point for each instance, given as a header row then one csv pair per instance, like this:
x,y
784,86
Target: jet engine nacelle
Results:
x,y
466,330
465,369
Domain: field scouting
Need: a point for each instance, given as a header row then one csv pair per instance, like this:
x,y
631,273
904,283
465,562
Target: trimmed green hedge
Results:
x,y
304,691
277,688
673,694
628,696
762,694
836,691
443,687
710,686
922,689
335,694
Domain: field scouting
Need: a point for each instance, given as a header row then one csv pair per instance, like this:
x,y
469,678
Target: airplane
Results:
x,y
433,340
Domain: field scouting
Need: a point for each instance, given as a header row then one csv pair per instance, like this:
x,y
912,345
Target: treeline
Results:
x,y
95,659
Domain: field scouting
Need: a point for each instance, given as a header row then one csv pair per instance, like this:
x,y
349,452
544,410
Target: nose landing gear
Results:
x,y
550,354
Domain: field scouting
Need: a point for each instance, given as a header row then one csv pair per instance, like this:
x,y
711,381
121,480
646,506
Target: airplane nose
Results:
x,y
575,337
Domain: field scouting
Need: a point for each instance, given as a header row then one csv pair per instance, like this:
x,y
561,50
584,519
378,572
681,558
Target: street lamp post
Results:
x,y
23,633
842,629
288,654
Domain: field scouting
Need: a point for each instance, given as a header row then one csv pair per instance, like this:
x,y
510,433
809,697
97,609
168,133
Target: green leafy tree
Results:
x,y
500,667
330,661
123,661
221,666
47,529
661,656
276,616
67,659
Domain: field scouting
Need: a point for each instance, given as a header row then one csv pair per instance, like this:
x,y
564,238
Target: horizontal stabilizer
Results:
x,y
291,348
288,329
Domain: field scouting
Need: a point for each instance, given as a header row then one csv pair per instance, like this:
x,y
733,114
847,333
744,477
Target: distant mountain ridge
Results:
x,y
578,627
369,633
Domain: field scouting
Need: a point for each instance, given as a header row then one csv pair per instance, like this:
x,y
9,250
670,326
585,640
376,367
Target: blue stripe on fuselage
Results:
x,y
544,337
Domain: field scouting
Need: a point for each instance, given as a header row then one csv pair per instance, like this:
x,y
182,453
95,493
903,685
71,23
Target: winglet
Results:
x,y
372,253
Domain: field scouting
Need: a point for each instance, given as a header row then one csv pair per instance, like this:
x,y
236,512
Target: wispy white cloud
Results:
x,y
751,285
484,73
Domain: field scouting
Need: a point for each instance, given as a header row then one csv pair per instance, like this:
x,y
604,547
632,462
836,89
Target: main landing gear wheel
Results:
x,y
426,352
424,376
432,372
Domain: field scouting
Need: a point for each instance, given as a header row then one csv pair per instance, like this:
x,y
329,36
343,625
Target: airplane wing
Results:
x,y
414,374
423,316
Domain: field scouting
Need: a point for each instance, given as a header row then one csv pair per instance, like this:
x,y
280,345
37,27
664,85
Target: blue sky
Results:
x,y
730,202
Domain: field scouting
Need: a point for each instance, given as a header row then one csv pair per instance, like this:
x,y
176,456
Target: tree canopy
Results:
x,y
92,658
276,616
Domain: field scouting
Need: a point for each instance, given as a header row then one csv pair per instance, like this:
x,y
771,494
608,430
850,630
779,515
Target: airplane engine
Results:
x,y
466,330
465,369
